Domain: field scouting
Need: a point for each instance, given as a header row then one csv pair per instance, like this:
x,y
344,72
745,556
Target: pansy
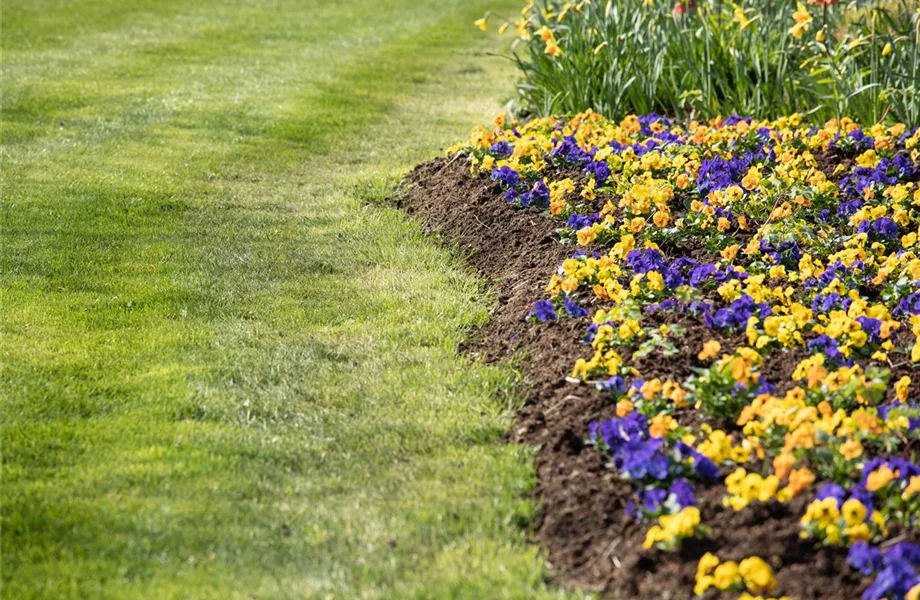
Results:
x,y
897,569
507,176
543,310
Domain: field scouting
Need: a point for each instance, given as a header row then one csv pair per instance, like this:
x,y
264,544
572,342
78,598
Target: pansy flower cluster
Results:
x,y
791,250
661,465
897,569
752,574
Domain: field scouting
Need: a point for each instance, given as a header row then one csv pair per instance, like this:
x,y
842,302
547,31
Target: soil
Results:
x,y
589,540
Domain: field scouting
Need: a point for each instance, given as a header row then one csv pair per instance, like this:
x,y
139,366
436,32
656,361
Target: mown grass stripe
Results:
x,y
206,338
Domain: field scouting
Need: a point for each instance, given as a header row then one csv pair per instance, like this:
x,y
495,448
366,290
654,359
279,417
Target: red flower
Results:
x,y
823,2
679,8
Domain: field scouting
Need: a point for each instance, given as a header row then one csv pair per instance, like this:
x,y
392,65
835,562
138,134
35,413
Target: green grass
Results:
x,y
224,376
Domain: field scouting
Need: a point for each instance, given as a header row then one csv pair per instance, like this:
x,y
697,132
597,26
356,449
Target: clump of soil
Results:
x,y
588,537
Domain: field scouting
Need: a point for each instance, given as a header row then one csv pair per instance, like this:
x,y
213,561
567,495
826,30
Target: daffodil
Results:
x,y
740,17
802,19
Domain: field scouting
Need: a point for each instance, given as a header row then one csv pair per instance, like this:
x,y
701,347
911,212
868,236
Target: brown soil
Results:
x,y
590,541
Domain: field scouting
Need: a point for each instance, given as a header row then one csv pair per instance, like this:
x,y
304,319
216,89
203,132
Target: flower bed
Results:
x,y
739,419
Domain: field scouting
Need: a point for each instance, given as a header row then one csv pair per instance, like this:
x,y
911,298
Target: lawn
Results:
x,y
227,371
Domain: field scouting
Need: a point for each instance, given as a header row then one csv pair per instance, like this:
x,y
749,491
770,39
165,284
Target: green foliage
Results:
x,y
859,59
658,342
715,391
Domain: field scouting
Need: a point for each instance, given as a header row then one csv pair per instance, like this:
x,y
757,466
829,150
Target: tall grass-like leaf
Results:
x,y
707,59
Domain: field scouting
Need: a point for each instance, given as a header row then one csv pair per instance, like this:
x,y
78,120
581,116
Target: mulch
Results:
x,y
589,540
